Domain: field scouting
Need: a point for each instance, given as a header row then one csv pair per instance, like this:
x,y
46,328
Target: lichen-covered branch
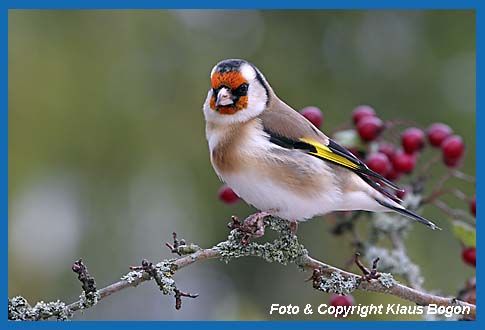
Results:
x,y
284,249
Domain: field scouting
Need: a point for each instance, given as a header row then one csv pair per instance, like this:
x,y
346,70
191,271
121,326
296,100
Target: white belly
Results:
x,y
267,195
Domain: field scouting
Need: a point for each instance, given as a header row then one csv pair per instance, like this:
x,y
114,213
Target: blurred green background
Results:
x,y
107,150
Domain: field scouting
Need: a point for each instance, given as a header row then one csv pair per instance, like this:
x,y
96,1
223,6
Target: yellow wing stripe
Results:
x,y
325,152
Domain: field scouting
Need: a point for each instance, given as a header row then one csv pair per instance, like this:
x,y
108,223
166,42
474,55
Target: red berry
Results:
x,y
452,148
473,206
393,174
469,256
369,128
437,132
227,195
362,111
387,149
336,300
379,163
314,115
412,140
404,162
452,162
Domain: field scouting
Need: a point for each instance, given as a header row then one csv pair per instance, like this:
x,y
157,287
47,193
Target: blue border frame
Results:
x,y
248,4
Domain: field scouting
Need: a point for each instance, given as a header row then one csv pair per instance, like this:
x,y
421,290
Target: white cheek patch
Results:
x,y
257,97
248,72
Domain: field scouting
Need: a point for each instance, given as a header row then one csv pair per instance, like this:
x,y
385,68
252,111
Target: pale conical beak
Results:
x,y
224,98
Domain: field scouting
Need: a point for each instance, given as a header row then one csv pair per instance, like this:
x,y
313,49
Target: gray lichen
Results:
x,y
164,276
132,276
190,248
19,309
284,249
338,284
387,280
162,273
87,300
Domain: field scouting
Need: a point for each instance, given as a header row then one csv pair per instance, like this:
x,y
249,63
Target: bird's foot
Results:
x,y
367,275
252,226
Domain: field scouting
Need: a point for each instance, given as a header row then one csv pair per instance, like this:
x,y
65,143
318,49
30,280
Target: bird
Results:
x,y
279,162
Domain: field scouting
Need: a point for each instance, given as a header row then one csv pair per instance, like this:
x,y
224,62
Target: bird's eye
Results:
x,y
242,89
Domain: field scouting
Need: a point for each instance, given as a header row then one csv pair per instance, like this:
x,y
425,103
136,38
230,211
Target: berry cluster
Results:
x,y
372,143
391,161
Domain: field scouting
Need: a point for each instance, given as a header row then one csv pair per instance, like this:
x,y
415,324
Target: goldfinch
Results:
x,y
277,161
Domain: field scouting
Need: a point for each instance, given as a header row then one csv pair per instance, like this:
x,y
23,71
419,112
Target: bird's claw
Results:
x,y
252,226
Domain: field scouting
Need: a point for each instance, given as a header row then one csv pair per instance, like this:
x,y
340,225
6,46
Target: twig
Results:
x,y
398,289
463,176
123,284
88,283
291,251
309,263
453,213
368,275
438,193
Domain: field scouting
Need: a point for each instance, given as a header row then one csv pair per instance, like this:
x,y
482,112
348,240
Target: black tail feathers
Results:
x,y
409,214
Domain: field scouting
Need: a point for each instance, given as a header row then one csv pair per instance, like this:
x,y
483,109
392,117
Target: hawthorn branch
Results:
x,y
284,249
